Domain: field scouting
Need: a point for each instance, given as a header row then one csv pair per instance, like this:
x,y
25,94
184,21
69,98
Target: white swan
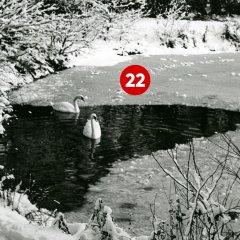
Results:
x,y
68,107
92,128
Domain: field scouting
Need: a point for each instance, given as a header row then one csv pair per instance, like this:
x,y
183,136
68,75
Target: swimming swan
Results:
x,y
92,128
68,107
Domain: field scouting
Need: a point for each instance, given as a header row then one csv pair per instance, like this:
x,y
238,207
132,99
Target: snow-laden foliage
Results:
x,y
174,35
232,32
20,218
170,34
36,41
4,103
28,222
202,206
116,16
162,7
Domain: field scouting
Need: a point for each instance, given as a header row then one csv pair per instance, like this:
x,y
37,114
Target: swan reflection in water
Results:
x,y
63,117
91,145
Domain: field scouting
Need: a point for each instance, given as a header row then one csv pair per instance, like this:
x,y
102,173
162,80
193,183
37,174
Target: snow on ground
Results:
x,y
148,32
102,54
42,226
19,201
15,227
146,36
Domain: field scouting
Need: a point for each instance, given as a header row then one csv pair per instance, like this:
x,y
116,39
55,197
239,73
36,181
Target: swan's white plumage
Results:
x,y
64,107
92,129
67,107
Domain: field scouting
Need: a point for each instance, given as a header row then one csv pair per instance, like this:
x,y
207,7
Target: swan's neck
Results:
x,y
77,110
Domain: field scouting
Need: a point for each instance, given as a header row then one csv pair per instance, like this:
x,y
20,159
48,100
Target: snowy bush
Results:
x,y
33,223
169,33
232,33
116,16
175,35
4,109
202,206
63,6
36,41
11,195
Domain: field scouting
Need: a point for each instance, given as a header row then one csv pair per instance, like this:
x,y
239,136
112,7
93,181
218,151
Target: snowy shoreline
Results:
x,y
144,37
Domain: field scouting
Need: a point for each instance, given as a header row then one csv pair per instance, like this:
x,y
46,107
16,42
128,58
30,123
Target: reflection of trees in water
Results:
x,y
218,121
52,149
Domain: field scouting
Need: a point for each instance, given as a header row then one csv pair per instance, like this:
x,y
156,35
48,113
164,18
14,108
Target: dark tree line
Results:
x,y
199,8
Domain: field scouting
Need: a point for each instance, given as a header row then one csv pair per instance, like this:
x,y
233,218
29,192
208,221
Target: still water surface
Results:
x,y
50,148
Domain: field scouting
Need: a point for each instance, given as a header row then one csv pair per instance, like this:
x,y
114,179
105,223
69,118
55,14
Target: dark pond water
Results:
x,y
50,148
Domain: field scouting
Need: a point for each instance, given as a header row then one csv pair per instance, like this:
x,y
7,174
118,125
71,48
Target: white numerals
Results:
x,y
130,82
140,82
132,77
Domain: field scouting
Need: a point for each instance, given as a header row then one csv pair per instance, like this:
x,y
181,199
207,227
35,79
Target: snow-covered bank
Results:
x,y
22,220
16,226
102,53
10,79
162,37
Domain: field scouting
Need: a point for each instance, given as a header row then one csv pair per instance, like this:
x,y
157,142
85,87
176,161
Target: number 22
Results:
x,y
132,78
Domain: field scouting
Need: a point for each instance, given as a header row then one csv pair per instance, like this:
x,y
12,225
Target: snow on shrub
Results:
x,y
36,39
232,32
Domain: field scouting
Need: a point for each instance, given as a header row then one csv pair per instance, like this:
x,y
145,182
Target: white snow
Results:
x,y
15,226
101,54
144,37
19,201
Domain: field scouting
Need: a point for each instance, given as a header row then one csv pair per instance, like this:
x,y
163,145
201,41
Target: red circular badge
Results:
x,y
135,80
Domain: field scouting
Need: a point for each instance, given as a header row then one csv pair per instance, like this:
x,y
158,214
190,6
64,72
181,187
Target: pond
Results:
x,y
49,147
